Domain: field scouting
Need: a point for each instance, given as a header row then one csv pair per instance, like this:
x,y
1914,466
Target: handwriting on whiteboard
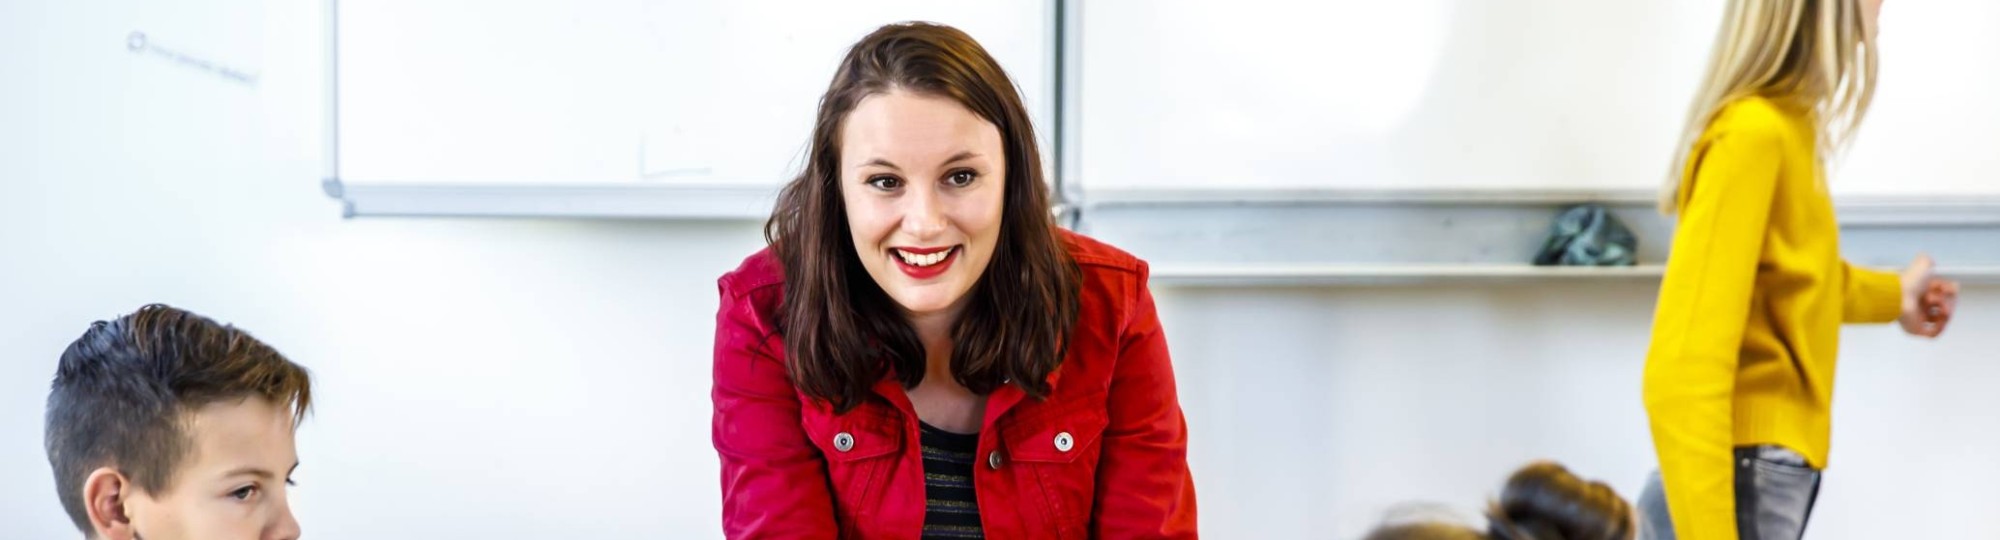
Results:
x,y
139,44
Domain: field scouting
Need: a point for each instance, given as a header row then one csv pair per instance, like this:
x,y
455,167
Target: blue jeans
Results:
x,y
1775,491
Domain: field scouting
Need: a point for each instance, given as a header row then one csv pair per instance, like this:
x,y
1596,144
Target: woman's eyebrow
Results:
x,y
955,158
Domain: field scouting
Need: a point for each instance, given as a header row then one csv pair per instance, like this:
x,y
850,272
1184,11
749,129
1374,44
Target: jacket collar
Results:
x,y
998,403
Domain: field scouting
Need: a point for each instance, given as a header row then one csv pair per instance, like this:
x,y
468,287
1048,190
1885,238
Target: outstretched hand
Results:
x,y
1928,300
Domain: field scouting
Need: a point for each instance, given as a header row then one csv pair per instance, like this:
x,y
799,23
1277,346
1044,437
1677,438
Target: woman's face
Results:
x,y
923,179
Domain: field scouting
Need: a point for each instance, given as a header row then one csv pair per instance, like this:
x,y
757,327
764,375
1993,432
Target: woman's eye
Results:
x,y
243,493
961,178
885,183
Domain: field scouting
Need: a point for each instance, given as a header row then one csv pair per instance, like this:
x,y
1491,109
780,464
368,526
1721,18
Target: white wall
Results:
x,y
521,379
476,379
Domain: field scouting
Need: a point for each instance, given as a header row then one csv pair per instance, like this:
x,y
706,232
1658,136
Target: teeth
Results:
x,y
922,260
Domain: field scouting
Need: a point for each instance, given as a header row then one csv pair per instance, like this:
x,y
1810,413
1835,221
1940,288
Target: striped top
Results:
x,y
950,511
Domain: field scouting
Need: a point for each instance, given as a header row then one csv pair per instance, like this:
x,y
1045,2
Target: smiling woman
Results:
x,y
912,226
889,367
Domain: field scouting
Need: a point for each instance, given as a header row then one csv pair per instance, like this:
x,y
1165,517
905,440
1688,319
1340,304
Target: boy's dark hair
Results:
x,y
123,391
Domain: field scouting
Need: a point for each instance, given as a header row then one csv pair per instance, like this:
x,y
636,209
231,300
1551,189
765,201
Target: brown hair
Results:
x,y
841,331
1424,530
1541,501
1544,501
123,390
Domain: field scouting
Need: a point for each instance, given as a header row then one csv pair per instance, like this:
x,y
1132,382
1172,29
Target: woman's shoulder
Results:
x,y
1096,257
1111,278
758,284
1756,117
757,271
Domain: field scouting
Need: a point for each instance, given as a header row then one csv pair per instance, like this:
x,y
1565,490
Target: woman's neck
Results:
x,y
934,332
939,399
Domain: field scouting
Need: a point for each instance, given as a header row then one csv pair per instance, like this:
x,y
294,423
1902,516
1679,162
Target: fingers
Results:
x,y
1940,301
1944,293
1923,264
1917,279
1932,328
1934,299
1941,317
1949,298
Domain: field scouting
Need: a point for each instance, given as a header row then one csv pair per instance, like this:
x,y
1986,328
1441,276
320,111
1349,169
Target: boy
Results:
x,y
164,425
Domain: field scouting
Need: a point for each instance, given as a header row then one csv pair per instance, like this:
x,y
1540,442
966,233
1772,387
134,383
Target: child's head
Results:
x,y
1425,530
1813,55
164,424
1541,501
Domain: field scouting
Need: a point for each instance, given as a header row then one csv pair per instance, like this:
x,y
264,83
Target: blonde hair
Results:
x,y
1814,55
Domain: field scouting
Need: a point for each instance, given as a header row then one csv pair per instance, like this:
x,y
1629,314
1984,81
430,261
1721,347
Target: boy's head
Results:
x,y
164,424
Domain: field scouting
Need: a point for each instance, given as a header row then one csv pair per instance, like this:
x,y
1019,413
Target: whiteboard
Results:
x,y
618,92
1934,127
1581,95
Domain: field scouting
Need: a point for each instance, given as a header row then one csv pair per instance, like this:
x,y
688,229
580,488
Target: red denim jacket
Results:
x,y
791,468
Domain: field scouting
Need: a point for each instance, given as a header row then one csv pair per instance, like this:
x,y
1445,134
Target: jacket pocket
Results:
x,y
860,448
1060,451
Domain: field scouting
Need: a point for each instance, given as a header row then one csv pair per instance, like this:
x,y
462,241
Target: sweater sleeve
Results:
x,y
1699,323
1870,296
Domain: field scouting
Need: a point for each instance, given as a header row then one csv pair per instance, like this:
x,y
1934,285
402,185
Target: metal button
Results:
x,y
843,441
1064,442
993,460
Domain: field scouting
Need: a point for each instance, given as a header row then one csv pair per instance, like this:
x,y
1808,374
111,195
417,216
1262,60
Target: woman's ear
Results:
x,y
105,493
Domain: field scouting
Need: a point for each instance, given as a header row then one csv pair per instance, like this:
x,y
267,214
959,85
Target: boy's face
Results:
x,y
232,487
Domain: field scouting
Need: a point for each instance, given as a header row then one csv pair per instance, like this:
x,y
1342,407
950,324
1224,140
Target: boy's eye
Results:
x,y
243,493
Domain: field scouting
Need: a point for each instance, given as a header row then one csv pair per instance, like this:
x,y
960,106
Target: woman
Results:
x,y
1739,376
920,352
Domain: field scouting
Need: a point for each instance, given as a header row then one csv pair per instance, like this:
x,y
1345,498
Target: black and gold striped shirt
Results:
x,y
950,511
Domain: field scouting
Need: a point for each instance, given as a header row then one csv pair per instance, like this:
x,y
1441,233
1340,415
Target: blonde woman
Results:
x,y
1739,376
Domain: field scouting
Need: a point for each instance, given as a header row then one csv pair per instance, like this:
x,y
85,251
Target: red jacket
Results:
x,y
1123,475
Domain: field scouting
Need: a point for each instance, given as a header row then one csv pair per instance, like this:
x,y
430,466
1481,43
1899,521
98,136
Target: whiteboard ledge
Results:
x,y
1315,196
595,201
1292,275
1861,209
1308,274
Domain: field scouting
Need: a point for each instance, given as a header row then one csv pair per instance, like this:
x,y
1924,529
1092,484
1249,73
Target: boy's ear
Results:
x,y
105,493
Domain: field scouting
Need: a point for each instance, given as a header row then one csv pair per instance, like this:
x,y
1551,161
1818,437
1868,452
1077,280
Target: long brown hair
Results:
x,y
841,331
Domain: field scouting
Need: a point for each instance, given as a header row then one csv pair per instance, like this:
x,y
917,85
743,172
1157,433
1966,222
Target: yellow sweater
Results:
x,y
1749,314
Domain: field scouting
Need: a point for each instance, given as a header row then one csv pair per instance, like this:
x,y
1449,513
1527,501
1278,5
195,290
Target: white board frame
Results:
x,y
681,201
